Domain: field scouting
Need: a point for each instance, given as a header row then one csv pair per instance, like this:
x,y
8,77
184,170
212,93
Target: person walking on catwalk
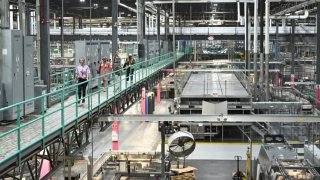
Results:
x,y
82,75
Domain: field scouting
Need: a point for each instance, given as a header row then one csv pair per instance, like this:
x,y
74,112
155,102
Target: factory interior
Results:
x,y
160,90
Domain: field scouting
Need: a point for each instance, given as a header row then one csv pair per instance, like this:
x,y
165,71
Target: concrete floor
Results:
x,y
133,136
215,169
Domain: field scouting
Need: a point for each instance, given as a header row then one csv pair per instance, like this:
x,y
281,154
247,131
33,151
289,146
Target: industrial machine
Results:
x,y
17,72
278,160
312,153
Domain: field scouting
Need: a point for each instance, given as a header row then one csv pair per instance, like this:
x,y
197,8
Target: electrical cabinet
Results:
x,y
12,71
40,90
28,80
1,101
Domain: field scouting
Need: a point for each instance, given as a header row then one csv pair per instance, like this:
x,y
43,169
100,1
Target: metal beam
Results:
x,y
219,1
213,118
45,44
318,46
199,1
294,8
255,49
217,70
114,27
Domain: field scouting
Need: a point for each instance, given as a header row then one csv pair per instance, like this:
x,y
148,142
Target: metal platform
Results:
x,y
29,138
214,85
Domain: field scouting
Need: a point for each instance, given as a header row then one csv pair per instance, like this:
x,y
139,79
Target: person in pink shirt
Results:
x,y
82,75
103,69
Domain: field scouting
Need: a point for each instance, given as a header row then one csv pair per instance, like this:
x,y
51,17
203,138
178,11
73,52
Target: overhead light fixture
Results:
x,y
106,7
129,14
95,5
82,0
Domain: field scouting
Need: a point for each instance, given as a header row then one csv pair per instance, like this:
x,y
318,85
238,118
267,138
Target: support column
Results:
x,y
80,23
166,22
141,28
114,27
22,15
28,22
45,44
54,21
163,144
277,53
158,29
11,16
249,40
292,52
318,58
246,36
174,45
267,50
283,23
261,78
5,23
62,29
255,48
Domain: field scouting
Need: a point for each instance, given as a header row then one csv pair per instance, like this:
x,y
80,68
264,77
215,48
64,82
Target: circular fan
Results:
x,y
181,144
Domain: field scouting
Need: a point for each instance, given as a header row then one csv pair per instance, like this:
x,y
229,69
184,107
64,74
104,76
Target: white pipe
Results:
x,y
11,16
304,16
255,48
267,41
54,21
129,8
255,30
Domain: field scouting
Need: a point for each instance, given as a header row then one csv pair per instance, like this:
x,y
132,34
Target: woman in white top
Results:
x,y
82,75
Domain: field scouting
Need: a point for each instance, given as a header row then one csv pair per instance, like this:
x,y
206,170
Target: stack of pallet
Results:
x,y
186,173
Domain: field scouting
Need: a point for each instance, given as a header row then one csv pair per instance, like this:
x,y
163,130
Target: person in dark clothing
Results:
x,y
131,62
116,68
126,66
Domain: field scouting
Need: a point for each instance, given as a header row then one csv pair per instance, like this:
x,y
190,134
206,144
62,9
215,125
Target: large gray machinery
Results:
x,y
92,51
16,72
278,160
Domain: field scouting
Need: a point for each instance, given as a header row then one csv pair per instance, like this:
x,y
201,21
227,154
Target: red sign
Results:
x,y
210,38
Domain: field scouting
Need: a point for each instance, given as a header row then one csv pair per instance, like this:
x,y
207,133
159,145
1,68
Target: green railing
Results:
x,y
23,136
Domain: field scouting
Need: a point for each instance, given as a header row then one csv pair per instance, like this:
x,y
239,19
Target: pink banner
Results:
x,y
115,133
292,80
317,96
159,93
45,168
166,70
143,101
